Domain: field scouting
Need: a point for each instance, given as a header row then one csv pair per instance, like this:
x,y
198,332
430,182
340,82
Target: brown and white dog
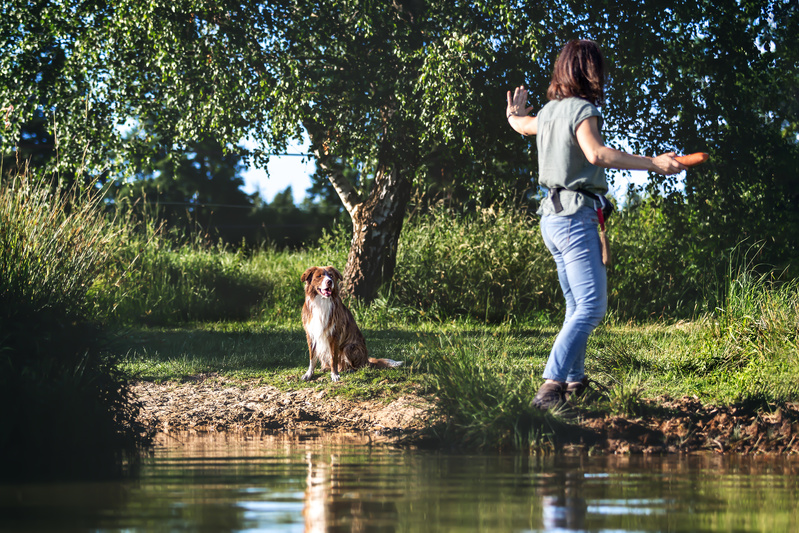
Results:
x,y
334,339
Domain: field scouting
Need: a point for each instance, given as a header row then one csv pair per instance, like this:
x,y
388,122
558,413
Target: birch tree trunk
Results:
x,y
376,227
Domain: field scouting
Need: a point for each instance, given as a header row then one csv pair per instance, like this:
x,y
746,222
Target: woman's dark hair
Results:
x,y
579,71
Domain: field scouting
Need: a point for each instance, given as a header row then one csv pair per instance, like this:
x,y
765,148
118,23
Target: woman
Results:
x,y
571,162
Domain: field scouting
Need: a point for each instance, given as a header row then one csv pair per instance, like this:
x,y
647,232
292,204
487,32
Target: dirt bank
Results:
x,y
216,404
686,425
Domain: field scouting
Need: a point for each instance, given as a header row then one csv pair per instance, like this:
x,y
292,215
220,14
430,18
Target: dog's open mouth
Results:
x,y
324,292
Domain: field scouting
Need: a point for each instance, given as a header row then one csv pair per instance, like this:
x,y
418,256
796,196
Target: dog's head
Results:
x,y
322,281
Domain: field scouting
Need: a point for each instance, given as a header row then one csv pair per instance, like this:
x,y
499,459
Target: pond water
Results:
x,y
347,483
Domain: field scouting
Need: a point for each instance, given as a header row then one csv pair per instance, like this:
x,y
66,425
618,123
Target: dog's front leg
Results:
x,y
335,357
309,374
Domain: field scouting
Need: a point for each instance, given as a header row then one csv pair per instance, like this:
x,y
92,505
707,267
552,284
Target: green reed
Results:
x,y
66,406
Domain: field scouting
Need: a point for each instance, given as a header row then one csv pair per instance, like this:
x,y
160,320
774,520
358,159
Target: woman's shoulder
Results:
x,y
580,104
571,106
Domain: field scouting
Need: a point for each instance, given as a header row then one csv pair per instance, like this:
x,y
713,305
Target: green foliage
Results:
x,y
161,278
68,413
418,87
197,190
184,284
490,264
745,350
229,70
54,244
282,270
53,378
484,395
659,268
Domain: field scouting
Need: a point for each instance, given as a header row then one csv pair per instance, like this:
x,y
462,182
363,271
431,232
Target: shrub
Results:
x,y
490,264
64,404
157,283
659,269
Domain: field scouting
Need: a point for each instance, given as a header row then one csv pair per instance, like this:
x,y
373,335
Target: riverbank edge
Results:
x,y
664,426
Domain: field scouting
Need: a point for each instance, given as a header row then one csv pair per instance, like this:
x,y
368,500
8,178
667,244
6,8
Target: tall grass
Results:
x,y
163,278
754,338
491,264
484,395
65,406
54,244
165,285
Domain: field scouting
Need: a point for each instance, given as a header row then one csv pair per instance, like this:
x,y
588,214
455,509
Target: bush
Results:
x,y
64,405
491,264
657,270
162,284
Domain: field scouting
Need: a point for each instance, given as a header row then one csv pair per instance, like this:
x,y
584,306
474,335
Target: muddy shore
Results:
x,y
684,425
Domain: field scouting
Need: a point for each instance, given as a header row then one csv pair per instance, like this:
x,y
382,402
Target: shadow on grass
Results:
x,y
181,354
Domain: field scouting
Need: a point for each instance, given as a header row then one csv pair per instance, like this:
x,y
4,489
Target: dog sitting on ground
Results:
x,y
334,339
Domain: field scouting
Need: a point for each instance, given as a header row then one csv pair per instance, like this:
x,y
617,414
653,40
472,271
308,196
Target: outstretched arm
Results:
x,y
519,114
598,154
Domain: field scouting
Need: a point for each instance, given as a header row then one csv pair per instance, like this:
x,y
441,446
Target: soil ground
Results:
x,y
216,404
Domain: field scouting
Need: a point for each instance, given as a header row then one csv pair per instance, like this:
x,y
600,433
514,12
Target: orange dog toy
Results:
x,y
692,159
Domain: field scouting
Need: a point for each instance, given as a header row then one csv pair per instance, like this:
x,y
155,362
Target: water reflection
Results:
x,y
338,499
563,507
350,484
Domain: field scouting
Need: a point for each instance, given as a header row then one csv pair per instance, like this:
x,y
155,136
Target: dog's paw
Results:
x,y
334,377
307,376
394,364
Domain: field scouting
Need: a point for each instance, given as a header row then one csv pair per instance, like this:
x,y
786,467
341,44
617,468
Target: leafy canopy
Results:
x,y
422,85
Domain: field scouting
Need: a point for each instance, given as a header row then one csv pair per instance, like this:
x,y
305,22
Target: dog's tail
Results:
x,y
384,363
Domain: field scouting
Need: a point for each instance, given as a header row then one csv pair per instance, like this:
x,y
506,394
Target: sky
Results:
x,y
285,171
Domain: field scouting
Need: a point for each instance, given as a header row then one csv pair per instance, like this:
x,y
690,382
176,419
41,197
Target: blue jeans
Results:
x,y
574,243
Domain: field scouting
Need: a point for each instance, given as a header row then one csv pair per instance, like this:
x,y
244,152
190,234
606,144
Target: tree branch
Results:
x,y
346,191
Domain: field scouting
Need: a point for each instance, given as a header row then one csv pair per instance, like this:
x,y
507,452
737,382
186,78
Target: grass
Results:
x,y
54,379
483,376
482,366
658,359
251,351
477,343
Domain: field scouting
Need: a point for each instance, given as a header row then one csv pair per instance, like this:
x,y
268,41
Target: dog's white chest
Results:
x,y
320,327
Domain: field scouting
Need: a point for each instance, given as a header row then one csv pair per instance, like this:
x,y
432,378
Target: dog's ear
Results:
x,y
307,275
336,273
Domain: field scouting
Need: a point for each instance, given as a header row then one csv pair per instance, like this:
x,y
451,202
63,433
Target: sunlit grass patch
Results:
x,y
482,371
267,354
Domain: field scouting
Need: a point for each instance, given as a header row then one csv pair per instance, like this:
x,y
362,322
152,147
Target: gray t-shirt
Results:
x,y
561,161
